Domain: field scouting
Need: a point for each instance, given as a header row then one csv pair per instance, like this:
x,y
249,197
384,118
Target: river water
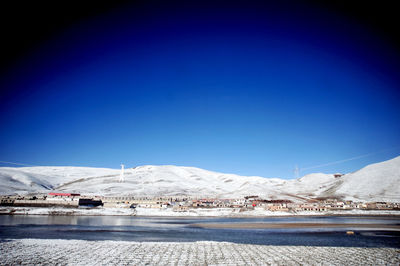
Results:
x,y
173,229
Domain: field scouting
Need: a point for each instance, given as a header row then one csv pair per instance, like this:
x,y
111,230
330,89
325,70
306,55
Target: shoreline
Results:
x,y
217,213
295,226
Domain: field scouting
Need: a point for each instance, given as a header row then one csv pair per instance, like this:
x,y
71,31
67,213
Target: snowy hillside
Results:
x,y
377,182
16,181
172,180
41,179
310,186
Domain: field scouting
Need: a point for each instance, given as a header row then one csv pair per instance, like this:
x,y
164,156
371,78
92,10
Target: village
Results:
x,y
186,203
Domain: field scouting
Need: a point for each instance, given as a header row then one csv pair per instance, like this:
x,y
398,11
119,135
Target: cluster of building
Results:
x,y
53,199
329,205
183,203
253,202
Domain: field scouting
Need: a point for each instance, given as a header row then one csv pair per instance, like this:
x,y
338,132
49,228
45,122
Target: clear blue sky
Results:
x,y
251,90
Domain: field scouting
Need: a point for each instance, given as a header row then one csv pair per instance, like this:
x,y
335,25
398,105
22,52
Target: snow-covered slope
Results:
x,y
166,180
41,179
16,181
377,182
309,186
173,180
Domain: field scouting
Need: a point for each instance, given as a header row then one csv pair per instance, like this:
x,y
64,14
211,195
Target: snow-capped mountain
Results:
x,y
376,182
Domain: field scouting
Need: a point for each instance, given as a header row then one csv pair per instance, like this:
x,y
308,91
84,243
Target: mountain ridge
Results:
x,y
377,182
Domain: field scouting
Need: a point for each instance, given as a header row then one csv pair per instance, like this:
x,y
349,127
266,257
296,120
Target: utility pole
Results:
x,y
296,171
122,175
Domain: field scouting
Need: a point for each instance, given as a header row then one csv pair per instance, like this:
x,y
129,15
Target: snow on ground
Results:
x,y
310,185
22,180
199,212
66,211
258,212
376,182
81,252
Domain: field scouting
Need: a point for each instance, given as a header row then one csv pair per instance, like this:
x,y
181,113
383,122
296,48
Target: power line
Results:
x,y
22,164
348,159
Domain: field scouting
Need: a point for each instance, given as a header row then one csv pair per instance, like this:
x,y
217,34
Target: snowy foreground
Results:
x,y
199,212
81,252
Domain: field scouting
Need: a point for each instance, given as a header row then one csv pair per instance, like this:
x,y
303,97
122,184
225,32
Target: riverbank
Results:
x,y
391,227
199,212
76,252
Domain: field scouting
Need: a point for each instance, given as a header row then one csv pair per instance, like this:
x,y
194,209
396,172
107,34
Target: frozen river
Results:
x,y
161,229
123,240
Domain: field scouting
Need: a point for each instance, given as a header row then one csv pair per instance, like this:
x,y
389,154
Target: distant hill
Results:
x,y
375,182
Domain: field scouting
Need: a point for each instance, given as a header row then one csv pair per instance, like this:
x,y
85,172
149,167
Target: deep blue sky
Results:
x,y
251,89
